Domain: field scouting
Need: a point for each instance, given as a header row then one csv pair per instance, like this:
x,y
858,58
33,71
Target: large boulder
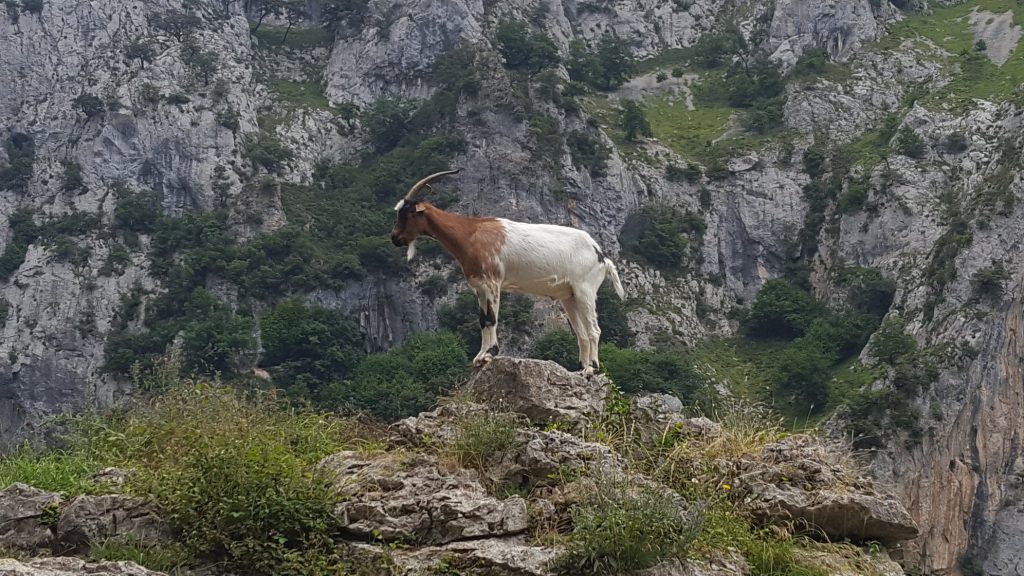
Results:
x,y
89,518
799,482
62,566
24,514
542,390
412,497
661,415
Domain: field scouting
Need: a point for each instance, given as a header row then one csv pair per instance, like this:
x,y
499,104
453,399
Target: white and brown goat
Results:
x,y
499,255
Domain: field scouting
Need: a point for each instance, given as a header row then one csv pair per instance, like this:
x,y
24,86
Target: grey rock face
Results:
x,y
89,518
61,566
838,26
395,496
541,390
660,415
23,513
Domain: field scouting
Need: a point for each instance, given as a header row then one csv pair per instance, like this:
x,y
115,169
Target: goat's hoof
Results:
x,y
482,360
588,371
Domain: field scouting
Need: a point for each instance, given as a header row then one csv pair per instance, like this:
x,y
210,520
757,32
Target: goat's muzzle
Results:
x,y
398,240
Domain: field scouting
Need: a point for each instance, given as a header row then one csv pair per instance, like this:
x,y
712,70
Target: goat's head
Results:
x,y
411,222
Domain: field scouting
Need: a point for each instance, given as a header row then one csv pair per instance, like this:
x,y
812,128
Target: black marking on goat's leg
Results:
x,y
487,317
595,365
493,350
600,256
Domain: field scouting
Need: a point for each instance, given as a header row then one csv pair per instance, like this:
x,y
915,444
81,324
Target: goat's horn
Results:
x,y
416,187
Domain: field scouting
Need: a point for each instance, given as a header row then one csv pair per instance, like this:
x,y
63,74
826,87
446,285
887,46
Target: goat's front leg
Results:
x,y
489,296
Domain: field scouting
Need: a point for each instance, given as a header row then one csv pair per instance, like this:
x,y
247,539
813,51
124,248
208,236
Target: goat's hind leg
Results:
x,y
582,339
586,310
489,297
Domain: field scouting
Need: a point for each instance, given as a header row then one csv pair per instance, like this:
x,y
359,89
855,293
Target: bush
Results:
x,y
213,334
634,121
23,233
588,152
780,311
662,236
766,115
387,122
619,528
89,104
989,281
813,62
800,379
137,213
21,156
675,173
891,342
908,143
956,143
403,381
264,149
606,68
482,436
714,50
559,346
73,177
635,371
523,49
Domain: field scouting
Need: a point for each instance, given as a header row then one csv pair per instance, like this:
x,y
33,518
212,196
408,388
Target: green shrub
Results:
x,y
403,381
5,308
482,436
523,49
989,281
456,71
800,379
812,63
715,50
514,316
634,121
588,152
908,143
756,82
867,290
780,311
891,342
689,173
89,104
663,236
177,24
72,176
264,149
21,156
765,115
23,233
620,527
387,121
635,371
213,334
314,344
559,346
605,68
611,316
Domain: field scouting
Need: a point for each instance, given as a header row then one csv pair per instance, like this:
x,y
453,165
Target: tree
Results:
x,y
780,311
295,12
908,143
891,342
141,50
523,49
616,61
387,121
89,104
634,121
263,8
177,24
800,379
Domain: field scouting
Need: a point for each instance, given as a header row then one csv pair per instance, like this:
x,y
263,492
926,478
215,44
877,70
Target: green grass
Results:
x,y
271,37
56,471
744,364
686,132
299,94
850,378
171,559
949,28
666,60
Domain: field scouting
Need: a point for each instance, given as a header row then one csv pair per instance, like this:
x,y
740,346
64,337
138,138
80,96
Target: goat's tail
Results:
x,y
610,270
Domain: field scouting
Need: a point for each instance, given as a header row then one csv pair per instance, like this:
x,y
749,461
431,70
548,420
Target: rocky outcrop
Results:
x,y
797,482
87,518
62,566
395,496
840,27
26,515
542,391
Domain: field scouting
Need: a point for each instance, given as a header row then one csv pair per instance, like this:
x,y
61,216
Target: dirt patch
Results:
x,y
998,32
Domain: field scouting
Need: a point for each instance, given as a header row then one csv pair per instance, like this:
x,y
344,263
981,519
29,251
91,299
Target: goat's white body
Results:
x,y
549,260
553,261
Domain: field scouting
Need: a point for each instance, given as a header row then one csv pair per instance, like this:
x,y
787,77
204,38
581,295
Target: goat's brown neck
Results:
x,y
472,241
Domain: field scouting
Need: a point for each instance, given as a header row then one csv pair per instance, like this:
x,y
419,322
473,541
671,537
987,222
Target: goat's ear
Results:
x,y
420,207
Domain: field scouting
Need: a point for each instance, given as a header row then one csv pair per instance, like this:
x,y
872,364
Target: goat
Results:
x,y
498,255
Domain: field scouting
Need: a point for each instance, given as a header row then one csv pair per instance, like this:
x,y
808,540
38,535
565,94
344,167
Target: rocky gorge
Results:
x,y
897,152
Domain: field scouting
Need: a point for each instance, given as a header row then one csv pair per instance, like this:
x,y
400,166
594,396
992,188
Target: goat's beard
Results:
x,y
410,252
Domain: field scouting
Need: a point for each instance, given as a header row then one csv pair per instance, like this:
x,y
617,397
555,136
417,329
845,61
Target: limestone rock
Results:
x,y
659,415
23,513
542,390
94,517
411,496
62,566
